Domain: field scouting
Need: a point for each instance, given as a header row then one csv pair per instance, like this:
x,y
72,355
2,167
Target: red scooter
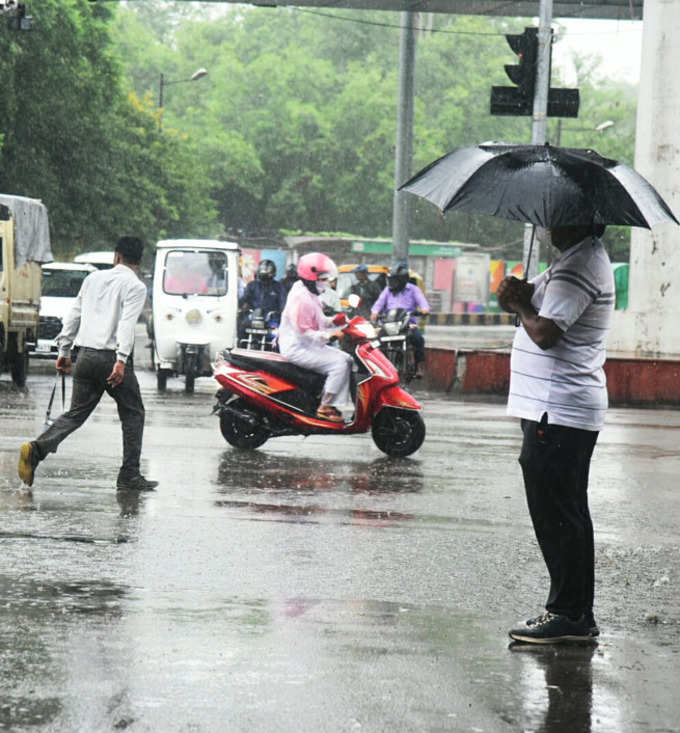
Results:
x,y
263,396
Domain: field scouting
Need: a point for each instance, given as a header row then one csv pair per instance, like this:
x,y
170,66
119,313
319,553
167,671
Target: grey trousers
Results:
x,y
90,372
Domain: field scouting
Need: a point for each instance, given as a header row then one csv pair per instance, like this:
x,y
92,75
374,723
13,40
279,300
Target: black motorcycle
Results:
x,y
260,330
396,343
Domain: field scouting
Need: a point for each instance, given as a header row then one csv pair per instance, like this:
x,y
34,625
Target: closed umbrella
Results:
x,y
60,376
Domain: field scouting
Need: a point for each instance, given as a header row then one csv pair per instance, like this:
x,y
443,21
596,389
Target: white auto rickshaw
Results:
x,y
195,306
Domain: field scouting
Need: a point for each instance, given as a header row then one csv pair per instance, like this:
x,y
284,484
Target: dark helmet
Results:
x,y
266,270
291,271
397,277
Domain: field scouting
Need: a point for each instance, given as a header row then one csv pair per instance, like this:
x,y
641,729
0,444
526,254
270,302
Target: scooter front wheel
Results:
x,y
398,432
239,432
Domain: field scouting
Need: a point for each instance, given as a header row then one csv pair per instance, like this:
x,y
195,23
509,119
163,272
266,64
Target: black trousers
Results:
x,y
89,384
555,461
418,341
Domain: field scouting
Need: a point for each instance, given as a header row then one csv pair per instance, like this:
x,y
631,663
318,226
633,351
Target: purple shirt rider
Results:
x,y
411,298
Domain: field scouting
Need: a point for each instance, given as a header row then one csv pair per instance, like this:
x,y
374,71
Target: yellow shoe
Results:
x,y
28,460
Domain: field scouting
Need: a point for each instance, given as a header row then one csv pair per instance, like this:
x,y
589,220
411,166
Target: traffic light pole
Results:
x,y
539,120
404,142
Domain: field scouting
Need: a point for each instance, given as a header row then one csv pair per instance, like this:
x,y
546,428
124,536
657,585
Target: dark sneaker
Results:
x,y
135,483
553,628
590,620
588,616
28,460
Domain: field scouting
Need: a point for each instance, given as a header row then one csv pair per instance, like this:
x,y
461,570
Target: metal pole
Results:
x,y
404,142
540,116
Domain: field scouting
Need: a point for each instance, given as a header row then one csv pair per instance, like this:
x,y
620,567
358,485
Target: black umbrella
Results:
x,y
540,185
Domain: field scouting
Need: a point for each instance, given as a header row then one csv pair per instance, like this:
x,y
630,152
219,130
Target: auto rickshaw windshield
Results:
x,y
195,272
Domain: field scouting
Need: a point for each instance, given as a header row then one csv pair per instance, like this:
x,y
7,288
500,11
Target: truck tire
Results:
x,y
18,363
161,379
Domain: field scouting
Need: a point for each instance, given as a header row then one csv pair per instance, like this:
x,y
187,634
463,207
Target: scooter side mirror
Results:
x,y
354,300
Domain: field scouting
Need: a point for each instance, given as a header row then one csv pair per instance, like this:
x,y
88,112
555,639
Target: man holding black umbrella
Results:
x,y
557,383
558,389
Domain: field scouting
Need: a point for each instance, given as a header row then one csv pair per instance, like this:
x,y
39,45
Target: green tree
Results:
x,y
296,122
74,137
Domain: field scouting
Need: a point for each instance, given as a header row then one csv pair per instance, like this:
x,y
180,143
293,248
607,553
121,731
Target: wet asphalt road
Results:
x,y
316,585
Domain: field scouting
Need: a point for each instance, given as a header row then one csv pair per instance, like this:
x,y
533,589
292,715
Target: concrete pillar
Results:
x,y
649,327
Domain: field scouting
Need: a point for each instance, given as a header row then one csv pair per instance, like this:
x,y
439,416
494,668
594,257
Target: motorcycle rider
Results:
x,y
289,279
263,292
305,332
367,289
400,293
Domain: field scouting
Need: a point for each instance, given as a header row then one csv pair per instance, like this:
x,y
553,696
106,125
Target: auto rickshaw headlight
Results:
x,y
193,317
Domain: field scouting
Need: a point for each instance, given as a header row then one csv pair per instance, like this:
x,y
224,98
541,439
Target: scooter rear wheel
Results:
x,y
241,434
398,432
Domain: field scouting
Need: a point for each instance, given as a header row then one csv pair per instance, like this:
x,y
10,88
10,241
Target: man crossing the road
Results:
x,y
102,324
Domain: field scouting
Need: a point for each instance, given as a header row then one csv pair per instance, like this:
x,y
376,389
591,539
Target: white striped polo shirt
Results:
x,y
567,381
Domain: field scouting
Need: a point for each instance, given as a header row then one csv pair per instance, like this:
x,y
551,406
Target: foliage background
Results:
x,y
292,129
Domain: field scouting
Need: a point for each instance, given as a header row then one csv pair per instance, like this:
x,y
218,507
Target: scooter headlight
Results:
x,y
193,317
367,330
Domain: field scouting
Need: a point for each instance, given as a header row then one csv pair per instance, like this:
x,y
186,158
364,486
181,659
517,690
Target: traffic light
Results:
x,y
519,100
524,74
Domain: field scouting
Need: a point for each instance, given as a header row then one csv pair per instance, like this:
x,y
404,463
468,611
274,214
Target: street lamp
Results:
x,y
598,128
198,74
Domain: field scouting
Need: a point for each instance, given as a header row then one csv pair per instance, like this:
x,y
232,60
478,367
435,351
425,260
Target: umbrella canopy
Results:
x,y
541,185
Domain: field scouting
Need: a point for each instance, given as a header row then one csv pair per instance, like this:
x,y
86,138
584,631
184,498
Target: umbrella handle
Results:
x,y
63,391
526,267
531,249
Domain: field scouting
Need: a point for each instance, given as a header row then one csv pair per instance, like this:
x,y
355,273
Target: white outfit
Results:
x,y
303,334
567,381
112,301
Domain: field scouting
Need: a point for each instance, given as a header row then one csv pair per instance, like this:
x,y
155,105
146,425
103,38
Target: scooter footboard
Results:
x,y
397,396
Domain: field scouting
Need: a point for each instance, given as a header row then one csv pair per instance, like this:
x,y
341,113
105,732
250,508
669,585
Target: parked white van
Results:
x,y
100,260
61,282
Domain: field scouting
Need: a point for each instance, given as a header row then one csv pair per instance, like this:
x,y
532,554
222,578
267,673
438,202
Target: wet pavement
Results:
x,y
316,585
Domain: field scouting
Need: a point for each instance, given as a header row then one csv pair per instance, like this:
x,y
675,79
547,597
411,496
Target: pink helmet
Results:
x,y
315,266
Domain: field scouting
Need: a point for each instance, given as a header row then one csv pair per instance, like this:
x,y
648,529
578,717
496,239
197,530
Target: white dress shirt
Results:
x,y
105,313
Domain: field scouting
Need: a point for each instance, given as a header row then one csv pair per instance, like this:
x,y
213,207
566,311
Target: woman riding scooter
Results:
x,y
305,331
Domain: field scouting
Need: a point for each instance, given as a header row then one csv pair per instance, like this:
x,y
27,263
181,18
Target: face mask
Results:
x,y
321,285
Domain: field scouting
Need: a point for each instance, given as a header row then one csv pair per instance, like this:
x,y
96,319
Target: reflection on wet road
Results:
x,y
316,585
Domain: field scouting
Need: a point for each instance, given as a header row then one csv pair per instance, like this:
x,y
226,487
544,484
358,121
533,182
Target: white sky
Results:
x,y
617,42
